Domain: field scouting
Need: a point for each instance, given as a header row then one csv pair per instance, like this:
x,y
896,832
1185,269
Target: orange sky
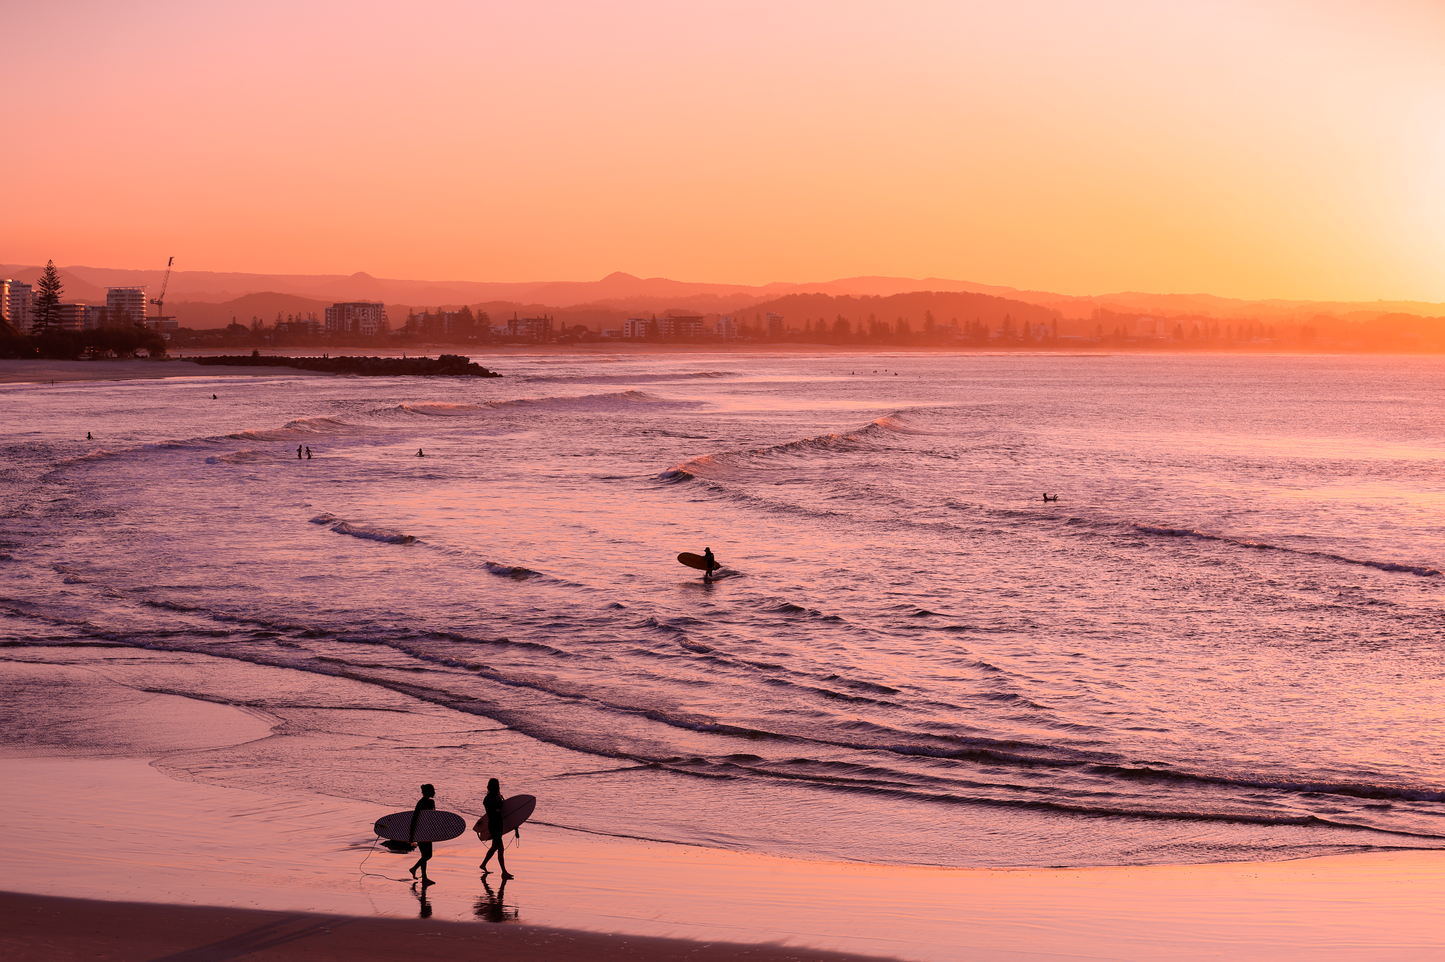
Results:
x,y
1249,149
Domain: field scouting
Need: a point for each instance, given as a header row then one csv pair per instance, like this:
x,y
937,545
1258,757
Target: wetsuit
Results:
x,y
492,805
425,804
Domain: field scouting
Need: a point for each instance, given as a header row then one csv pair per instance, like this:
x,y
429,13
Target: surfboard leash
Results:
x,y
365,874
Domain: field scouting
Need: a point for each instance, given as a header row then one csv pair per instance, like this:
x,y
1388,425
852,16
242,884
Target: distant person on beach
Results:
x,y
308,452
424,804
492,804
298,452
711,564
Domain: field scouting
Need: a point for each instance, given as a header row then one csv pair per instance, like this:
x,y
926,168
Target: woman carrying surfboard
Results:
x,y
494,804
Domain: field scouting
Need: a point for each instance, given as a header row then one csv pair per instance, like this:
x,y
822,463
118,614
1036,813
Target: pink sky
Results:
x,y
1250,149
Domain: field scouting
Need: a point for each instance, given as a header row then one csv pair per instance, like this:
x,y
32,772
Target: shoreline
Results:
x,y
194,851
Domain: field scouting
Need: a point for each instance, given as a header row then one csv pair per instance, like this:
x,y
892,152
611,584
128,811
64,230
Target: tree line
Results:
x,y
122,337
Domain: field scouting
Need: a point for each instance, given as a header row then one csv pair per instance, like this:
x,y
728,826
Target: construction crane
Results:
x,y
160,302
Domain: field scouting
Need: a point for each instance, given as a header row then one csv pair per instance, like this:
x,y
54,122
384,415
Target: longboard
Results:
x,y
515,811
696,561
432,826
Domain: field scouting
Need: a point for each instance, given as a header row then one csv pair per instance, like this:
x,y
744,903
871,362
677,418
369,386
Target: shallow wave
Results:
x,y
726,462
618,400
299,429
439,409
244,456
627,378
1423,571
342,526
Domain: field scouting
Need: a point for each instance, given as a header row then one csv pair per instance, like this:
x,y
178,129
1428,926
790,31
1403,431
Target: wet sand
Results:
x,y
118,830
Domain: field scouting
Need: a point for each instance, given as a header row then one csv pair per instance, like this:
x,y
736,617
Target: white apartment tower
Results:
x,y
15,304
126,300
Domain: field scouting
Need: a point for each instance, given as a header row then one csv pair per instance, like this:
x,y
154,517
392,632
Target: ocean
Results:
x,y
1222,642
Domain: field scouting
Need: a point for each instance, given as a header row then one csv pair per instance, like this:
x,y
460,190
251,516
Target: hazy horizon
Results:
x,y
1256,151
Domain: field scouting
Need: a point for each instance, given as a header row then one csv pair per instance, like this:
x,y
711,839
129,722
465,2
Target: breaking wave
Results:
x,y
341,526
716,465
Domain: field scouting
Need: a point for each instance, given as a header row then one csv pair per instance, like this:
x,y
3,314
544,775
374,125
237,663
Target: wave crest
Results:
x,y
342,526
1424,571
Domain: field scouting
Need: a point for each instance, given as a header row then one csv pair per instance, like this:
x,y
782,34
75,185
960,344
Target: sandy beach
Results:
x,y
312,883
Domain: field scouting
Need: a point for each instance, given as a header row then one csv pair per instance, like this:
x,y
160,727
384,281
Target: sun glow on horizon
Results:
x,y
1242,149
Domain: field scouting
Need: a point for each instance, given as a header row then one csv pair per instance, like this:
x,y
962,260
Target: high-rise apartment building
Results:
x,y
15,304
123,302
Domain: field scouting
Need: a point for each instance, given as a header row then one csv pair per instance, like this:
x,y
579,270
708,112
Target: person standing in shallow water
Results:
x,y
711,564
426,803
492,804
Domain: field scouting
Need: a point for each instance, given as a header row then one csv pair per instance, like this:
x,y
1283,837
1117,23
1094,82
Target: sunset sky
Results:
x,y
1249,149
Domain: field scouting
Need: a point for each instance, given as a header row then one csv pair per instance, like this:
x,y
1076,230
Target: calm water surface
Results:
x,y
1224,641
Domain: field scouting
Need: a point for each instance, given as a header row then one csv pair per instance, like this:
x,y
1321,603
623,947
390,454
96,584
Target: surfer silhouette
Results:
x,y
711,564
1047,497
425,803
492,804
88,437
308,452
298,452
419,454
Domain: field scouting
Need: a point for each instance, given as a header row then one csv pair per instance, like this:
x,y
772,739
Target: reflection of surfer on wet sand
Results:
x,y
493,907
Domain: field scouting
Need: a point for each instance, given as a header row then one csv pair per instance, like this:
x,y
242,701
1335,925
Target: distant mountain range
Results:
x,y
200,298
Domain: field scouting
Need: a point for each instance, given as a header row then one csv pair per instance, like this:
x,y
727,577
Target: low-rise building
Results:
x,y
356,317
71,317
681,325
537,328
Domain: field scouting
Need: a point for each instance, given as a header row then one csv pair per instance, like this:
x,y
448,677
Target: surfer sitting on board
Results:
x,y
712,564
496,820
425,803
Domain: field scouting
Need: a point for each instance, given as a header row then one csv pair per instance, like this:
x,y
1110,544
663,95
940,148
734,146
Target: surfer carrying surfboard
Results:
x,y
494,805
711,564
425,803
